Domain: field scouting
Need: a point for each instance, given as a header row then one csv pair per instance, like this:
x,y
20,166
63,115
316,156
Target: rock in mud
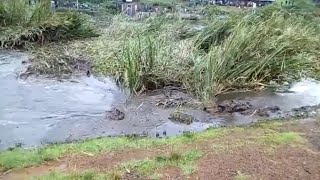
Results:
x,y
265,112
233,107
115,114
306,111
244,108
181,117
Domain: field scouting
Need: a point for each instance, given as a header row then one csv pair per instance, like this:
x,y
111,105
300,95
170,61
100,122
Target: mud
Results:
x,y
244,108
181,117
37,111
115,114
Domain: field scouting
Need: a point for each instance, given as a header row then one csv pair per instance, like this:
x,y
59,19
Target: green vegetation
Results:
x,y
240,51
243,50
241,176
22,24
143,168
19,158
90,175
184,161
284,138
161,2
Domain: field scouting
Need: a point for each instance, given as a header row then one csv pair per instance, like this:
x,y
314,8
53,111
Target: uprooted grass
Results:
x,y
22,24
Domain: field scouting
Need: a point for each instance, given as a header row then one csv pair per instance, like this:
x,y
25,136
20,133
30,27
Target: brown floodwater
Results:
x,y
39,111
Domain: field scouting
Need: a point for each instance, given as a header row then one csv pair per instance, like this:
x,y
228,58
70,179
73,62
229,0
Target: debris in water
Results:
x,y
306,111
174,98
115,114
229,107
244,108
181,117
265,112
164,133
88,73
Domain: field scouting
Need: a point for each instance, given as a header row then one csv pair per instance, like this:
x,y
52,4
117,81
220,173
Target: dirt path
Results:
x,y
263,152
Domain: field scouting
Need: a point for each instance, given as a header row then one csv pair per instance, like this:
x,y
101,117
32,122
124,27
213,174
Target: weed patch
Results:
x,y
184,161
281,138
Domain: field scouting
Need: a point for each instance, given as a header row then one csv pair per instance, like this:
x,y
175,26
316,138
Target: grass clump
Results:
x,y
281,138
253,53
22,24
241,176
185,161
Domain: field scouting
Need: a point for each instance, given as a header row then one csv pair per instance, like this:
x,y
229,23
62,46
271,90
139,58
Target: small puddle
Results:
x,y
40,111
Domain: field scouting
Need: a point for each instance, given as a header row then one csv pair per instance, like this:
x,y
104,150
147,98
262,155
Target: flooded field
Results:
x,y
41,111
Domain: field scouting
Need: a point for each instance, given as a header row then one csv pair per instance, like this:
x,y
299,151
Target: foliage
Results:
x,y
256,50
21,24
241,50
167,3
184,161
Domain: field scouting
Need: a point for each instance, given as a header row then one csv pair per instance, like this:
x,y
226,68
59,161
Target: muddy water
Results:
x,y
40,111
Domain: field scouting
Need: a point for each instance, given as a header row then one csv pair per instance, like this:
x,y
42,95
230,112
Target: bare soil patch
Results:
x,y
256,162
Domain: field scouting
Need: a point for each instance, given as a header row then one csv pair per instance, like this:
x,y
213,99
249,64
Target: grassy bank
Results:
x,y
19,158
22,24
150,158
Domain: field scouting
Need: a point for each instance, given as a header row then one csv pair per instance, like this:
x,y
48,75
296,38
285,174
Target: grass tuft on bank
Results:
x,y
22,24
184,161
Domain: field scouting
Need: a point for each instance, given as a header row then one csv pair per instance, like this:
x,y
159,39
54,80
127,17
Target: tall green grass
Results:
x,y
244,50
256,50
21,24
19,12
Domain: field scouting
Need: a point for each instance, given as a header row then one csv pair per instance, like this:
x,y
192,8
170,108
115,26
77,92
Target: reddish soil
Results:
x,y
252,160
284,163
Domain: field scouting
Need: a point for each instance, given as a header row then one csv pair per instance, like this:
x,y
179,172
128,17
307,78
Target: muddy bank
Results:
x,y
39,111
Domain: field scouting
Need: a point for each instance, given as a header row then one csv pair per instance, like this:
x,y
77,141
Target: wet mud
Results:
x,y
36,111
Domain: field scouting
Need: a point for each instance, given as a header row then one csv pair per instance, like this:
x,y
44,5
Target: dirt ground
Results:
x,y
233,156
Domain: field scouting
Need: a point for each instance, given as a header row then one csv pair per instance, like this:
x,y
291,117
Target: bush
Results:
x,y
240,51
